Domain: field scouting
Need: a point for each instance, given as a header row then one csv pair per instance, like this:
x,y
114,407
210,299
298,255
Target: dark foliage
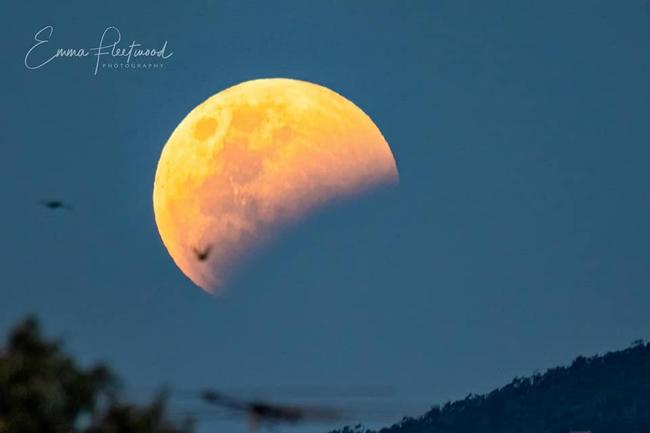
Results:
x,y
42,390
601,394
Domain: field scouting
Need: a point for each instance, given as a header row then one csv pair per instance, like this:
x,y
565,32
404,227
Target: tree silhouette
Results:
x,y
43,390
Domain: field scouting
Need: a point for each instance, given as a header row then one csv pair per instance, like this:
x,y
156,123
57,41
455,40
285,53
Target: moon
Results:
x,y
255,158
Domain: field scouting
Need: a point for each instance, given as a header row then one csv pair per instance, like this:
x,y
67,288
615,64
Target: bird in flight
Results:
x,y
270,413
259,411
55,204
203,254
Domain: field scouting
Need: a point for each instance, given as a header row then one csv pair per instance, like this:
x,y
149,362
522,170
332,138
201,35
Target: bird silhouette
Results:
x,y
203,254
55,204
259,411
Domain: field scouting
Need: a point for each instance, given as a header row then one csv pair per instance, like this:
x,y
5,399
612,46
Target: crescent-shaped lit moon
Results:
x,y
253,158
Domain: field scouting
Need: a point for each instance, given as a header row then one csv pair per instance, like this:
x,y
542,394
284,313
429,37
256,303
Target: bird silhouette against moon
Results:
x,y
254,158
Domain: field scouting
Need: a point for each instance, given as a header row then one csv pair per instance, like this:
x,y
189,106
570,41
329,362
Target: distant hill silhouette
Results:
x,y
601,394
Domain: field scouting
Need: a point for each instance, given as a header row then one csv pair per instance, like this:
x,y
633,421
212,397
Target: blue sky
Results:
x,y
517,239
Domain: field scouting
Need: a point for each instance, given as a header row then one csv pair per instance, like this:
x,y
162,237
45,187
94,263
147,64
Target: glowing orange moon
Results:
x,y
253,158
